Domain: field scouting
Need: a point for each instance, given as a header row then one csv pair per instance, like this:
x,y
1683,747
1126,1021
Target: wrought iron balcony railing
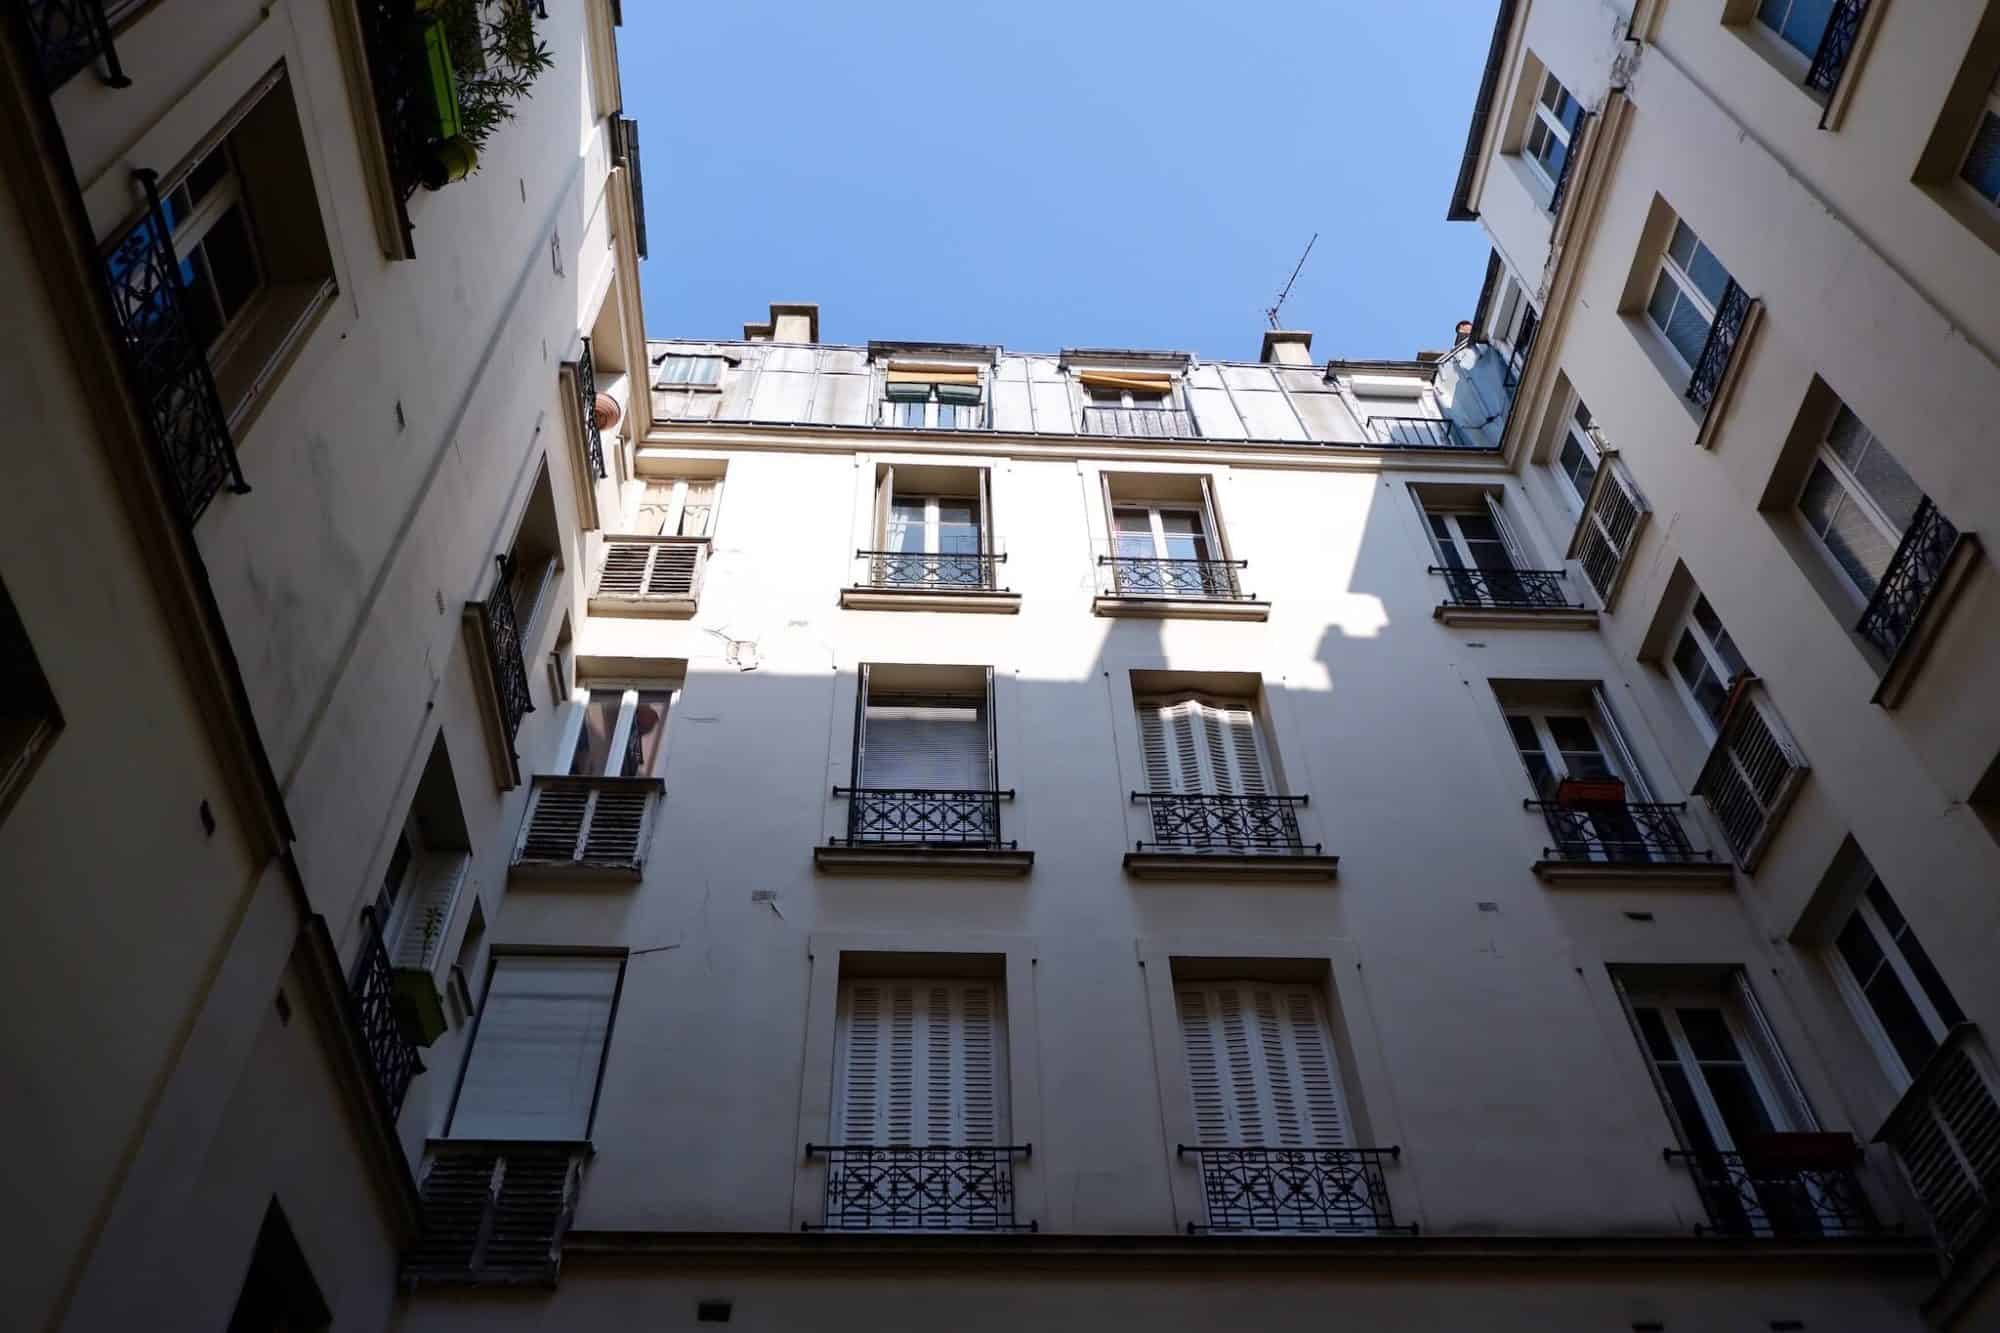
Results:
x,y
584,369
1946,1133
495,1212
1535,589
945,571
1567,177
625,152
167,362
1145,422
372,997
963,1187
1913,575
1227,824
1329,1190
502,637
1619,832
1177,580
1719,350
1836,44
69,34
1746,1197
597,823
919,817
1420,433
649,570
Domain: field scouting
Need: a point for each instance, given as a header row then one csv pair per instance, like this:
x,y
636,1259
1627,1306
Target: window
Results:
x,y
1857,502
279,1292
1578,457
29,718
1160,532
921,1063
534,561
940,398
1550,132
933,525
1716,1069
1472,544
209,223
1558,745
1798,23
678,371
1704,662
925,760
931,529
1130,403
1902,1002
1981,169
1262,1067
1592,795
1614,513
427,868
679,507
620,730
926,742
1686,291
538,1048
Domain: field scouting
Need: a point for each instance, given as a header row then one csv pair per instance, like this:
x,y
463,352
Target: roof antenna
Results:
x,y
1272,313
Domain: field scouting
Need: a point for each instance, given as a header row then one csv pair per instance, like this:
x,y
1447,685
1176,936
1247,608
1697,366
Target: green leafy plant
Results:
x,y
498,57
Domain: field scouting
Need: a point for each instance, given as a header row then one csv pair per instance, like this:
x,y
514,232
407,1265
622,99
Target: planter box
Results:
x,y
1591,791
1801,1152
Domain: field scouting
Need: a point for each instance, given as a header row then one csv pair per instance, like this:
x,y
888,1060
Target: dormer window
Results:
x,y
1132,403
932,398
690,372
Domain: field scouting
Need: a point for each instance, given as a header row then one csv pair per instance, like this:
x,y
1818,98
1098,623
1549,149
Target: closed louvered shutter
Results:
x,y
533,1069
1751,775
927,745
1192,747
1950,1145
1609,528
555,820
920,1064
493,1213
1261,1065
617,825
672,570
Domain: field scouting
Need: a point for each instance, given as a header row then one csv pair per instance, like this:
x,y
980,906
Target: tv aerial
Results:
x,y
1271,313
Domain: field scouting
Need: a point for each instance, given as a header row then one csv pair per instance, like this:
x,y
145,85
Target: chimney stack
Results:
x,y
1287,347
790,322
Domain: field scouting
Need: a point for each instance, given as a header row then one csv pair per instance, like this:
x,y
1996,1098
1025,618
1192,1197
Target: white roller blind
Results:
x,y
1196,746
932,745
1261,1066
920,1063
533,1070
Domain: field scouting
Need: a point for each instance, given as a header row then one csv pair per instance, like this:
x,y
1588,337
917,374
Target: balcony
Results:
x,y
1752,773
1946,1133
650,576
1146,423
1530,598
1618,841
954,1188
69,34
1719,366
1790,1186
583,377
1208,835
929,581
493,643
919,830
1909,605
1324,1191
167,365
588,825
376,1010
1420,433
495,1212
1154,588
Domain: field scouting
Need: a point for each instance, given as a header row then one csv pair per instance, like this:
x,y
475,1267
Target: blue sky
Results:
x,y
1047,175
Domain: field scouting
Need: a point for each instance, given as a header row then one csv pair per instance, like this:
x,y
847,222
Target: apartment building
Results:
x,y
311,384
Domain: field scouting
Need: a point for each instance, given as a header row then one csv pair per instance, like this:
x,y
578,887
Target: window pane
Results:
x,y
1686,1109
1710,277
1572,734
906,525
1523,729
1576,465
1806,24
1908,1032
958,527
1982,164
1692,666
1658,1044
232,261
1859,949
1553,154
649,726
1708,1034
1891,488
1857,544
1736,1097
593,742
1683,244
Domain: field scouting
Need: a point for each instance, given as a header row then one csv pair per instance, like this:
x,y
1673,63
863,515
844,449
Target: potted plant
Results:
x,y
606,411
478,58
1591,791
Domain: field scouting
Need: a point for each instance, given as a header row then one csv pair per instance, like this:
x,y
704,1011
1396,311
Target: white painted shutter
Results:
x,y
1261,1065
426,911
1191,746
930,747
920,1063
698,508
534,1063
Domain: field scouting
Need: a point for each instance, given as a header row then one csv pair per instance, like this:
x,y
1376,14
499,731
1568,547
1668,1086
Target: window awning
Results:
x,y
900,372
1137,381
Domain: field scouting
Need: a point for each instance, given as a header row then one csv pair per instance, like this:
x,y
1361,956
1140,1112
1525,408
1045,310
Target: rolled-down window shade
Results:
x,y
921,1063
927,743
1097,379
534,1063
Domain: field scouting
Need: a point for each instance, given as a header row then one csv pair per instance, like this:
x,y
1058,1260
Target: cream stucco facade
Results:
x,y
930,833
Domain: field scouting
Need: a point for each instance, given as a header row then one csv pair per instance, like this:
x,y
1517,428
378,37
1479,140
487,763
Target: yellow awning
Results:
x,y
1138,381
932,375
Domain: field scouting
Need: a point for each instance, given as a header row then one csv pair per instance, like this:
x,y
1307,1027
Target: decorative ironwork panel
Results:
x,y
1911,578
956,1188
1419,433
495,1212
69,34
503,651
1153,423
1570,159
1211,822
1339,1190
372,999
625,146
1625,832
1540,589
1946,1133
1720,349
1836,44
1750,1199
1148,576
395,69
910,816
167,362
585,370
587,821
969,571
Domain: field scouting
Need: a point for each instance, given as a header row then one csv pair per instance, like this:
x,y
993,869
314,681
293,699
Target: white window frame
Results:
x,y
1871,1025
1461,545
1690,291
1686,623
621,730
1550,122
1855,494
675,513
929,410
694,360
1538,717
932,521
1784,1104
1579,428
1155,511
